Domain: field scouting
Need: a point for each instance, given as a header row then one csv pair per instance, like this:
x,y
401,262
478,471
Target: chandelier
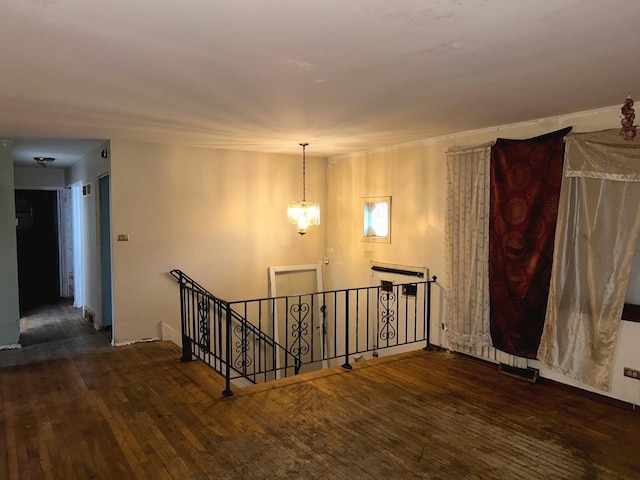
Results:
x,y
303,213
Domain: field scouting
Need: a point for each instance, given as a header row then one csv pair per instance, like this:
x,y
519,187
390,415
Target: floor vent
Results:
x,y
529,374
89,316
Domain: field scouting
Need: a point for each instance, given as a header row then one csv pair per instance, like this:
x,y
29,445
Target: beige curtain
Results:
x,y
466,241
467,256
597,230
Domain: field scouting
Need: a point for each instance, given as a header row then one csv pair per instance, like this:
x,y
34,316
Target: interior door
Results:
x,y
299,323
105,250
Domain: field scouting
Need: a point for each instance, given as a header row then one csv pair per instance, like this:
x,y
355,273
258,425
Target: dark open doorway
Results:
x,y
38,248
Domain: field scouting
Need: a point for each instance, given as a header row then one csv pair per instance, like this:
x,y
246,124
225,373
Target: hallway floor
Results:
x,y
52,323
76,408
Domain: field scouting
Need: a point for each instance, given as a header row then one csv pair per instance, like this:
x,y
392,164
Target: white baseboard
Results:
x,y
11,346
170,334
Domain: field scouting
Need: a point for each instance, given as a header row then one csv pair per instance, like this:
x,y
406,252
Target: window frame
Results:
x,y
368,204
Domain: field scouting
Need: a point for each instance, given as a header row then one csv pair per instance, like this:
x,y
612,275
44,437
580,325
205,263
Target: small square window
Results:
x,y
377,219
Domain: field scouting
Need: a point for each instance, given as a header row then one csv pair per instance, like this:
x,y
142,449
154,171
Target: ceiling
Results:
x,y
65,151
344,76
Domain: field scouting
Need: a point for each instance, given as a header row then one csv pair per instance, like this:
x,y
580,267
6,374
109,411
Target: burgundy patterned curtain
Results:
x,y
524,192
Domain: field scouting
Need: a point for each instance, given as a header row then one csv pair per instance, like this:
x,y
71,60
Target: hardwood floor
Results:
x,y
76,408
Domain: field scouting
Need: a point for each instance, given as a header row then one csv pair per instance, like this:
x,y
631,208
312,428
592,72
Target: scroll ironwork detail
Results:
x,y
242,347
298,313
204,315
387,315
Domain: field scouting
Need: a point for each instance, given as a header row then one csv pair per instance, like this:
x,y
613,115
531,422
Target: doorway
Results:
x,y
299,323
104,214
37,248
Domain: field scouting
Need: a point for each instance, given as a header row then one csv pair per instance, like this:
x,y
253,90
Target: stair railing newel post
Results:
x,y
227,362
346,365
186,340
428,314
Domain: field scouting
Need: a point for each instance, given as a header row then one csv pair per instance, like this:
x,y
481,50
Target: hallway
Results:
x,y
58,322
76,408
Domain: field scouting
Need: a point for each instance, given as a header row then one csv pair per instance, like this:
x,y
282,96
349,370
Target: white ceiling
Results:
x,y
66,152
343,75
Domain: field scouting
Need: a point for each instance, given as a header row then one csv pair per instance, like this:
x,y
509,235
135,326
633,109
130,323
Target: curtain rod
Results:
x,y
459,149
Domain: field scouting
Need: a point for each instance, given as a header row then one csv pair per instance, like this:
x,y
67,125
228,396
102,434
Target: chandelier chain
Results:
x,y
304,171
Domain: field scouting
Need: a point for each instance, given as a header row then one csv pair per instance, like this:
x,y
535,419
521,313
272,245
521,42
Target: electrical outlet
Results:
x,y
631,373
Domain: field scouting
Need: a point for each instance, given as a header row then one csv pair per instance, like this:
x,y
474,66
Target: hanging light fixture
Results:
x,y
303,213
44,161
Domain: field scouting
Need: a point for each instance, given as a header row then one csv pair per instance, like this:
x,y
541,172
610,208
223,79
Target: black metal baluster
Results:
x,y
346,364
415,313
311,327
192,321
274,352
261,345
406,320
428,319
323,326
367,321
357,349
286,339
335,321
227,390
221,321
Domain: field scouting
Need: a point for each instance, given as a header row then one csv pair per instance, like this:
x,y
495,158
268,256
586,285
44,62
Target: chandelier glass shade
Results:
x,y
304,214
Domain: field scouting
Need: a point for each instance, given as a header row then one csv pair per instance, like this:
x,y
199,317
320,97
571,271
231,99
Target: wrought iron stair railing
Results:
x,y
208,328
269,338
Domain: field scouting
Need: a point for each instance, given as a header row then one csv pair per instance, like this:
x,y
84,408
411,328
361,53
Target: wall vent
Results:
x,y
528,374
88,315
409,289
386,286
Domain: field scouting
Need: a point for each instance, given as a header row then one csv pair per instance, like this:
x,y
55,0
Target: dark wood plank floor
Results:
x,y
76,408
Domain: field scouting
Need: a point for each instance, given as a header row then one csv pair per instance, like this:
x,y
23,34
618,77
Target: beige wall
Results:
x,y
38,177
9,309
415,176
220,216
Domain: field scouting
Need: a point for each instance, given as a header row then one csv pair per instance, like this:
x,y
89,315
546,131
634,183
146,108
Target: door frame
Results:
x,y
273,271
101,247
